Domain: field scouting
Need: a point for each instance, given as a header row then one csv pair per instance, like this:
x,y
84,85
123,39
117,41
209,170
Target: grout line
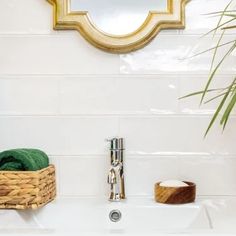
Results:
x,y
219,195
161,156
69,33
134,196
138,116
115,75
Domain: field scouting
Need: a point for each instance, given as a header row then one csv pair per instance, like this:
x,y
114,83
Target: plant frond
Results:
x,y
229,27
217,28
219,12
198,93
229,109
219,107
215,70
226,22
213,48
216,49
221,17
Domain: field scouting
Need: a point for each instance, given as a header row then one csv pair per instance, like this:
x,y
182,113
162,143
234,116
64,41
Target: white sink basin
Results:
x,y
139,216
88,217
222,212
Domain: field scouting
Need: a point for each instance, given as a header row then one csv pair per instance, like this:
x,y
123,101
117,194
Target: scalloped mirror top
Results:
x,y
118,17
119,26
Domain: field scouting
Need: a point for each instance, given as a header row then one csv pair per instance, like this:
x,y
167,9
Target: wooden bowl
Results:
x,y
175,195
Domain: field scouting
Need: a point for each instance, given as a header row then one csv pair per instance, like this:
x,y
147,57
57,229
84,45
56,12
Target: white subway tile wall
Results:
x,y
60,94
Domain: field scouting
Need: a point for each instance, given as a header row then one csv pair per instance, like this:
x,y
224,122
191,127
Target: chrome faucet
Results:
x,y
116,172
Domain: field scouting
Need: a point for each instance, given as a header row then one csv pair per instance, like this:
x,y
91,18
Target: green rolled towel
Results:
x,y
23,160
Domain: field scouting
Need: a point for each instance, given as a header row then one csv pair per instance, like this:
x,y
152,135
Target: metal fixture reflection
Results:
x,y
116,172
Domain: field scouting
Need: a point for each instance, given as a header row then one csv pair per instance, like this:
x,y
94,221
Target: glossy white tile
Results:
x,y
83,176
119,95
60,94
168,54
20,95
143,173
213,175
54,54
198,20
58,135
176,135
191,105
25,17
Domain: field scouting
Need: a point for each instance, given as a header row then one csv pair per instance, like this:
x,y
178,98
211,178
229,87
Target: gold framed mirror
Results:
x,y
118,26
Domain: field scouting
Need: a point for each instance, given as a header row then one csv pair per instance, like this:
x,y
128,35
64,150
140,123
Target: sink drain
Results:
x,y
115,215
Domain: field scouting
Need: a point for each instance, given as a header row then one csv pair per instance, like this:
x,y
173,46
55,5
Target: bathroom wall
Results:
x,y
62,95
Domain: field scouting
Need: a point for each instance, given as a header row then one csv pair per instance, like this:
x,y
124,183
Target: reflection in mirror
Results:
x,y
118,17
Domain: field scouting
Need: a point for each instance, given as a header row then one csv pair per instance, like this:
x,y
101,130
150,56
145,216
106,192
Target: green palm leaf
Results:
x,y
229,109
219,107
213,73
227,94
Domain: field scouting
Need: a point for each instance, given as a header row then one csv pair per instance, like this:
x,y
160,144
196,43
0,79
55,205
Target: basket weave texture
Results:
x,y
27,189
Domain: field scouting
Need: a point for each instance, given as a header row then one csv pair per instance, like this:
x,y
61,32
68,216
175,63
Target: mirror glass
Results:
x,y
118,17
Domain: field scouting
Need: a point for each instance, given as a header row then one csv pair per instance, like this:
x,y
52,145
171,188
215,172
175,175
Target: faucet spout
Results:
x,y
112,177
116,173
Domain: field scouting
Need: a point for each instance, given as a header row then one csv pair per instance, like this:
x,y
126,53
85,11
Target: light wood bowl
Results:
x,y
175,195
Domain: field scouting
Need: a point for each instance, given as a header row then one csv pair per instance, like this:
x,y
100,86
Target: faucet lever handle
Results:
x,y
116,143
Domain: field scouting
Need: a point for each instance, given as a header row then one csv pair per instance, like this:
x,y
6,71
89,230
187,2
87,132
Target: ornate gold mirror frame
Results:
x,y
173,18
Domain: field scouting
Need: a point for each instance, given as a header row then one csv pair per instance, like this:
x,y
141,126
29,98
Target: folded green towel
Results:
x,y
23,160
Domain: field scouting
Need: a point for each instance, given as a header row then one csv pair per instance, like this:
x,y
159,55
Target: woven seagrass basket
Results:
x,y
27,189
